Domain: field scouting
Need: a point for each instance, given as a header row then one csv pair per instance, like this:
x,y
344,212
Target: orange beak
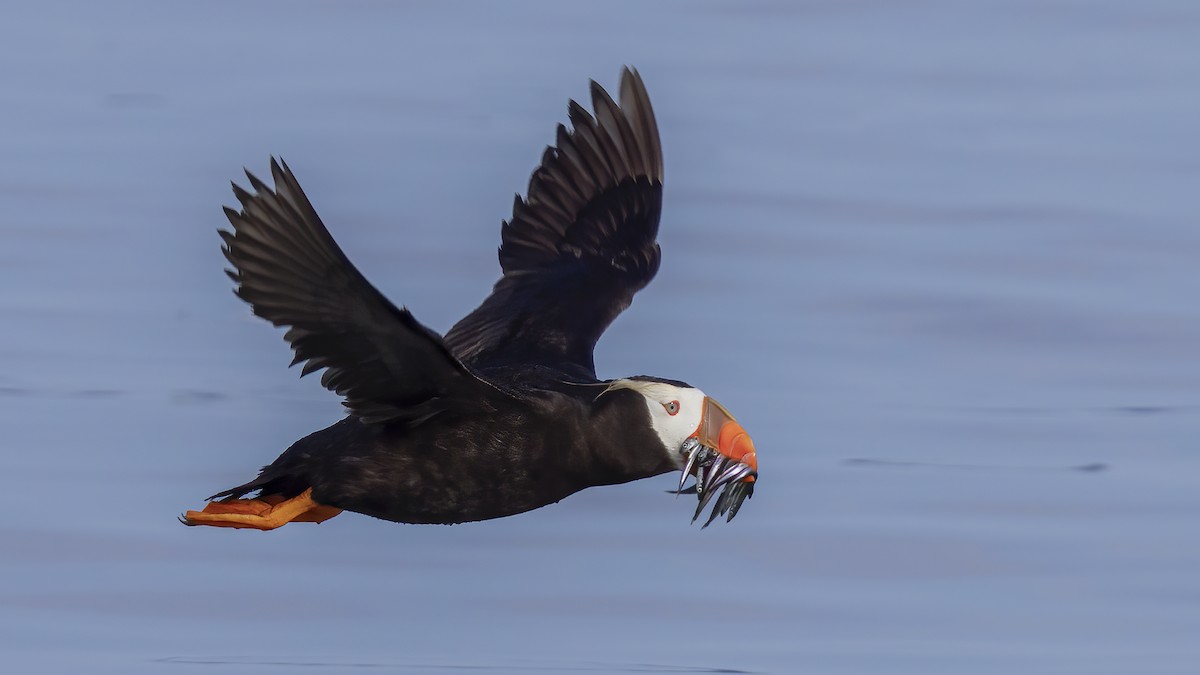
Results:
x,y
721,456
718,430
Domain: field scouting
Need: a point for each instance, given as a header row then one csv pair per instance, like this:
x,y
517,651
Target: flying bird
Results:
x,y
504,413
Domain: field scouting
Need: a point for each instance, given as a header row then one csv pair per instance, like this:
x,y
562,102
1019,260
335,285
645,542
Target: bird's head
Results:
x,y
702,439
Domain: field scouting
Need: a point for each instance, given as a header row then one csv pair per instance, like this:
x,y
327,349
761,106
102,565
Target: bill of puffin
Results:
x,y
504,413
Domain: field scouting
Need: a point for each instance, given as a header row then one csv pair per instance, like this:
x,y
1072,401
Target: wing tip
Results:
x,y
635,104
603,149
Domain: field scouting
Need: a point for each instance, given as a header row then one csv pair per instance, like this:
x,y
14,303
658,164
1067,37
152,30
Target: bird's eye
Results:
x,y
672,407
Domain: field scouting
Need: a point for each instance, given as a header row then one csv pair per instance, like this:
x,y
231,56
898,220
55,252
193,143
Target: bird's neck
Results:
x,y
621,446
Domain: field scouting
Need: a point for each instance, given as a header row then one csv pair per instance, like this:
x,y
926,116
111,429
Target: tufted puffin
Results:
x,y
504,413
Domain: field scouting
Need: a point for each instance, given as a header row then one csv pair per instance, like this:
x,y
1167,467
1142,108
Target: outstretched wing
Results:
x,y
579,245
386,364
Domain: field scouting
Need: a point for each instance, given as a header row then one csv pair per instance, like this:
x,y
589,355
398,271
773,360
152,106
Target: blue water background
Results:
x,y
940,258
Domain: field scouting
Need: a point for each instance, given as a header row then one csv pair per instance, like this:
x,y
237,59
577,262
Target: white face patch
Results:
x,y
675,412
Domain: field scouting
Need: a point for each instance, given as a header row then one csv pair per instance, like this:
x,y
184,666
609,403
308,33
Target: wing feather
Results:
x,y
579,245
289,269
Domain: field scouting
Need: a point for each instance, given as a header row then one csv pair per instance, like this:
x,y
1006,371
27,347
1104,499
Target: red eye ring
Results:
x,y
672,408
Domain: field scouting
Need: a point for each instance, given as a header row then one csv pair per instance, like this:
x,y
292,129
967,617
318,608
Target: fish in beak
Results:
x,y
721,457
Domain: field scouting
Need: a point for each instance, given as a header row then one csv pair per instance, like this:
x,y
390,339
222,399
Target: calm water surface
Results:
x,y
939,259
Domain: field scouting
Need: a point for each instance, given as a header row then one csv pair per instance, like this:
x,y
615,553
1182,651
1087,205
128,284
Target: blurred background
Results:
x,y
938,257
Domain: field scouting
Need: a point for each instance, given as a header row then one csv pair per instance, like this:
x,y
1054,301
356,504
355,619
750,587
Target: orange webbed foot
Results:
x,y
265,513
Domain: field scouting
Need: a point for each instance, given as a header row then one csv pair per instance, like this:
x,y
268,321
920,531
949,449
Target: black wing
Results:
x,y
579,246
386,364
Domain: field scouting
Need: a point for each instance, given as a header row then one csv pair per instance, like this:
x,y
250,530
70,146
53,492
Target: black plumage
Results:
x,y
495,418
289,269
579,245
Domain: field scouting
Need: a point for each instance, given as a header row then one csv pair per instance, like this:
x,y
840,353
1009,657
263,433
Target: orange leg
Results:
x,y
266,513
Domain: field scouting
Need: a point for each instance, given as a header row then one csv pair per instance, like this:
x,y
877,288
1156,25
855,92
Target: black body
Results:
x,y
472,465
497,418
